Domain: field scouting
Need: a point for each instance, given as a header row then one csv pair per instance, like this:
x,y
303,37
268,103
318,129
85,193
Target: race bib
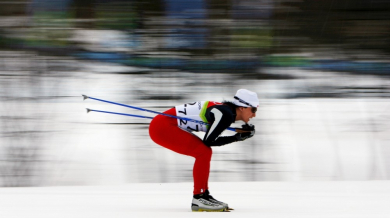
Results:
x,y
191,111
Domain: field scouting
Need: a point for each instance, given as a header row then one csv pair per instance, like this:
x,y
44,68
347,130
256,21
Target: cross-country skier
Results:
x,y
175,135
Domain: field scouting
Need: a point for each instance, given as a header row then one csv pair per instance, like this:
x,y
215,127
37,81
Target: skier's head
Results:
x,y
246,98
247,103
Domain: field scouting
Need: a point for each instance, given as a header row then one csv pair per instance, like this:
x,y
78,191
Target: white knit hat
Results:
x,y
246,98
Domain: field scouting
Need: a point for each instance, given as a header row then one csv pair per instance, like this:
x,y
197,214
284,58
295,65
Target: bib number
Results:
x,y
191,111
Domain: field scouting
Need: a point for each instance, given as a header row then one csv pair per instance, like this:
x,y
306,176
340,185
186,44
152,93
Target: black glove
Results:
x,y
248,127
246,135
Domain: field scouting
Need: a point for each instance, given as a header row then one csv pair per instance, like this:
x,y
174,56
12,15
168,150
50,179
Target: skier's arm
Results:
x,y
222,120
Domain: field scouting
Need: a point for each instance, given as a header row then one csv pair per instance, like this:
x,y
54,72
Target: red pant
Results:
x,y
164,131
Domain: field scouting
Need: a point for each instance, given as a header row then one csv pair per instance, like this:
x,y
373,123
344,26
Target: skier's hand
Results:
x,y
245,128
249,132
248,127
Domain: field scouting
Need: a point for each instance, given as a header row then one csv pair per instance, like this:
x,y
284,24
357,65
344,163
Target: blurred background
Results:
x,y
320,68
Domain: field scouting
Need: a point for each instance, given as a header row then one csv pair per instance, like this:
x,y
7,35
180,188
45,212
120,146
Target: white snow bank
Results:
x,y
249,199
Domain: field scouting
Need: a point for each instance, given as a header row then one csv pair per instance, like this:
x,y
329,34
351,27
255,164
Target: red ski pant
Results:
x,y
164,131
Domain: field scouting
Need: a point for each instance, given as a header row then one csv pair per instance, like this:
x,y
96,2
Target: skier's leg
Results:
x,y
165,132
201,170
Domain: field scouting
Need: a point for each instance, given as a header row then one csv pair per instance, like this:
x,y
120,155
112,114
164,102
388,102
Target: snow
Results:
x,y
249,199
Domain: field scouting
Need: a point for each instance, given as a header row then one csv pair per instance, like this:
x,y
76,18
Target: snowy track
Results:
x,y
257,199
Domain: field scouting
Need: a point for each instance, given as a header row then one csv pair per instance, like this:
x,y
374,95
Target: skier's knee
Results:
x,y
207,153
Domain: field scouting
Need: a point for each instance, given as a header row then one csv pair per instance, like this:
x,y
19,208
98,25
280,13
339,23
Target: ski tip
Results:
x,y
85,97
88,110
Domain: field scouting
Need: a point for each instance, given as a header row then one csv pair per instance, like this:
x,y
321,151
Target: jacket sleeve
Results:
x,y
222,120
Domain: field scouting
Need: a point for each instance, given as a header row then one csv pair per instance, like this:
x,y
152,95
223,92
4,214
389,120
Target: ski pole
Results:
x,y
142,109
124,105
146,110
110,112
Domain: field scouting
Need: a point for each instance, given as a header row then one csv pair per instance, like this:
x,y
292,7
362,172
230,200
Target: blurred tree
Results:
x,y
353,23
84,9
219,9
150,7
11,8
